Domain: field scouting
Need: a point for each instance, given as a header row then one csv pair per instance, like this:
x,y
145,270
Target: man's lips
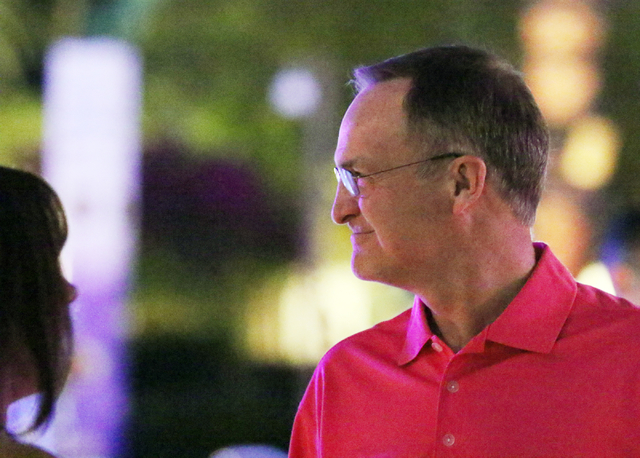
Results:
x,y
361,232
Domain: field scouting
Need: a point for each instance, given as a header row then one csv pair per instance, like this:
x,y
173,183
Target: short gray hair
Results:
x,y
471,101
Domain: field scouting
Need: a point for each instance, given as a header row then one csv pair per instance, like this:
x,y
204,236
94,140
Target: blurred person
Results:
x,y
35,326
620,253
440,161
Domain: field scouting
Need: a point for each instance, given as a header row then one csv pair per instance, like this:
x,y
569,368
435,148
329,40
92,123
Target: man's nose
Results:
x,y
345,206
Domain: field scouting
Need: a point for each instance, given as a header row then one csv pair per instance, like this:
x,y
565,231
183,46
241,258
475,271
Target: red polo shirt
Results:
x,y
556,375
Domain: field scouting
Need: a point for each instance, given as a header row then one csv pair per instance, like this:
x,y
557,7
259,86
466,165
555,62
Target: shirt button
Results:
x,y
453,386
448,440
436,346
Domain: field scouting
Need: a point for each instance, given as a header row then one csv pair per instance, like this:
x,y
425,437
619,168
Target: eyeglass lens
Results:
x,y
349,181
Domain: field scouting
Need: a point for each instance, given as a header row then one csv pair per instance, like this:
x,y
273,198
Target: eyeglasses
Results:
x,y
350,179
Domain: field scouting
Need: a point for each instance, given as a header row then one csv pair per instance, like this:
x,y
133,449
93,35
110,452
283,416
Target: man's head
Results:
x,y
465,100
436,145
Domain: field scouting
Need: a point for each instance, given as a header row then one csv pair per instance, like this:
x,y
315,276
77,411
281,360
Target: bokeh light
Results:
x,y
561,28
563,88
590,153
295,92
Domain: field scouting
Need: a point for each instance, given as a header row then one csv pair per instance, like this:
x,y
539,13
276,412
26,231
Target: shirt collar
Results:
x,y
418,332
532,321
535,317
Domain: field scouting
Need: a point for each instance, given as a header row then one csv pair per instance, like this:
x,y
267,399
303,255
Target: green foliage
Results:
x,y
209,64
20,128
619,100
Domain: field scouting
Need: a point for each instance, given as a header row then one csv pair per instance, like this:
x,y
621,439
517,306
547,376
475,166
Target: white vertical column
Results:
x,y
91,157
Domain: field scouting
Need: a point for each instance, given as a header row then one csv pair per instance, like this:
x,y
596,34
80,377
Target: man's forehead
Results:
x,y
374,121
386,96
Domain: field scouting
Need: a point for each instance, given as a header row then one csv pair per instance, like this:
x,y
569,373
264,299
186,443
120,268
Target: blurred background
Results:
x,y
192,144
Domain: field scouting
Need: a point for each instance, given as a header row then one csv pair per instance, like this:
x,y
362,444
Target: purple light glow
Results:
x,y
91,157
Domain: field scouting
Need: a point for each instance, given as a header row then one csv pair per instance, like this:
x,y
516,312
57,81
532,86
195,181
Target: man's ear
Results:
x,y
469,174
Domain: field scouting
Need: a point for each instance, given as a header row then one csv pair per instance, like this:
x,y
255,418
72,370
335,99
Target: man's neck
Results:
x,y
475,295
458,326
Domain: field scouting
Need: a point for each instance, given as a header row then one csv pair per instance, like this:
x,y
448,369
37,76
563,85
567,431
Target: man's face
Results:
x,y
399,220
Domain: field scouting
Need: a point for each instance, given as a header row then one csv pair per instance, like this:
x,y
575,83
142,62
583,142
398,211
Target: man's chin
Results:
x,y
364,269
370,268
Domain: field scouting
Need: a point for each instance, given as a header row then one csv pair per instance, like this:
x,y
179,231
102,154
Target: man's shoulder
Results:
x,y
595,309
592,299
384,339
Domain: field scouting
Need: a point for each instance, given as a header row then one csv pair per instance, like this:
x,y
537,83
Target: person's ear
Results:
x,y
469,175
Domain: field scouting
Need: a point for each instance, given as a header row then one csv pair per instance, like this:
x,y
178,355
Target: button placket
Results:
x,y
449,386
449,439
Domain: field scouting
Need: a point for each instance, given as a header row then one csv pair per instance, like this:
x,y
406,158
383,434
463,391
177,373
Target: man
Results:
x,y
440,162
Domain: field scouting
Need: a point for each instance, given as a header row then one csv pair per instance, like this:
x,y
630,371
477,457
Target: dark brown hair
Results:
x,y
34,295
